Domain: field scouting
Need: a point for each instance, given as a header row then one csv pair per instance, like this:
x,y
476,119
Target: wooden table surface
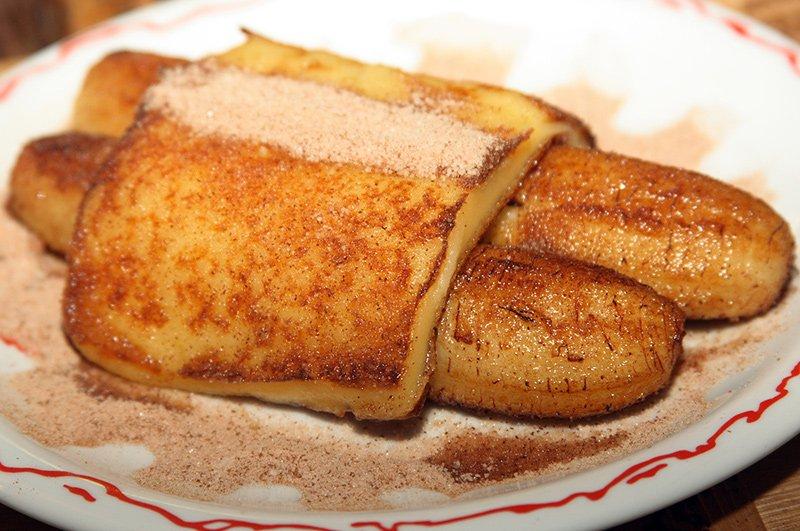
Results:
x,y
763,496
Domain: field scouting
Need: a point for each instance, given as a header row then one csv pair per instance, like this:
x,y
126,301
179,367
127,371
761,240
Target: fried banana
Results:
x,y
520,334
270,219
49,180
586,205
544,336
107,102
717,251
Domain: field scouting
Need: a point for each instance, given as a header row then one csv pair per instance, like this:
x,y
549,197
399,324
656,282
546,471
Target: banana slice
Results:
x,y
543,336
49,180
494,350
717,251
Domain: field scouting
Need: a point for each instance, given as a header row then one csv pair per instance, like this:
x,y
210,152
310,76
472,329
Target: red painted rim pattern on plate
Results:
x,y
644,469
637,472
739,28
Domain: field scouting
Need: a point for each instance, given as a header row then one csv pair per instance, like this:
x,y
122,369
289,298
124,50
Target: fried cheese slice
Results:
x,y
521,334
285,224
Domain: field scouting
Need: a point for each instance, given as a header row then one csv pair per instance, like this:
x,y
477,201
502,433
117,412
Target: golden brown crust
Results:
x,y
228,266
543,336
714,249
115,84
71,158
112,89
235,196
211,367
48,182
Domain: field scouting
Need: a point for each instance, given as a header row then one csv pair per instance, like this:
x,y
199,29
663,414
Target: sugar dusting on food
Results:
x,y
323,123
210,448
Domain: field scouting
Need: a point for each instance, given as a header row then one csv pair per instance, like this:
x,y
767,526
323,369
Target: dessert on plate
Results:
x,y
306,229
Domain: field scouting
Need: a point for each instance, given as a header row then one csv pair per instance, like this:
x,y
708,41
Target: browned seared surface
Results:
x,y
57,407
261,260
534,335
112,89
229,295
203,367
211,268
49,180
714,249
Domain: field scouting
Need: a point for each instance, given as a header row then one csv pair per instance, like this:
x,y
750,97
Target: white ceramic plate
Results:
x,y
660,59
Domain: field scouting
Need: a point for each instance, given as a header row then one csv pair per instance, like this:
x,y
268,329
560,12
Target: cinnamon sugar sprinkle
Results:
x,y
248,453
322,123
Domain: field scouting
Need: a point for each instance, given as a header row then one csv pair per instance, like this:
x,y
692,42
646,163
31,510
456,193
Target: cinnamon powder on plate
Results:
x,y
209,448
206,448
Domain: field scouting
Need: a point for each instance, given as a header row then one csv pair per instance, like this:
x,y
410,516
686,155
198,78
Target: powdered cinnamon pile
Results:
x,y
322,123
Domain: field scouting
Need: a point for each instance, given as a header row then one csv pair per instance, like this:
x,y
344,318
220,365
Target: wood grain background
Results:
x,y
763,496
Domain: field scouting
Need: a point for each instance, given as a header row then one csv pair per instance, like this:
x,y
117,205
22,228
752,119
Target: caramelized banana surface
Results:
x,y
543,336
717,251
49,180
685,234
259,217
475,318
112,89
